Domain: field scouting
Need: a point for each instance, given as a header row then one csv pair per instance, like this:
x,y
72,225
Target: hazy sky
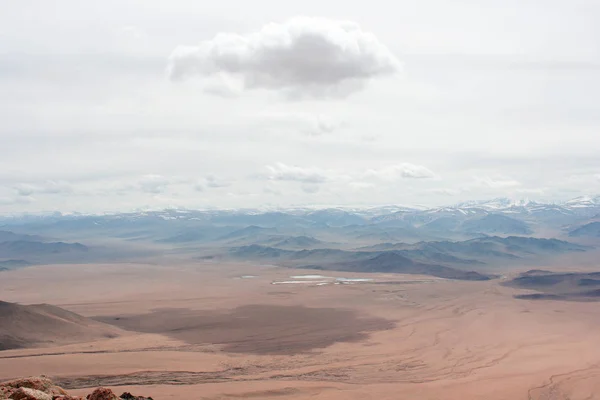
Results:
x,y
122,104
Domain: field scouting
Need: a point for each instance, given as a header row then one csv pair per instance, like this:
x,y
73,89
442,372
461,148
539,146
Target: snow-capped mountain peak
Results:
x,y
496,204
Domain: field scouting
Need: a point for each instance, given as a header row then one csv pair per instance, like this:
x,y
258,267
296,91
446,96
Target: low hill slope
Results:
x,y
394,262
591,230
21,247
23,326
576,286
497,224
12,264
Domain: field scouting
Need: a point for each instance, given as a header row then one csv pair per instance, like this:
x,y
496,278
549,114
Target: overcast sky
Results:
x,y
122,104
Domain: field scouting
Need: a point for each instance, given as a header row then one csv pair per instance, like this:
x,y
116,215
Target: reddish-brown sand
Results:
x,y
203,332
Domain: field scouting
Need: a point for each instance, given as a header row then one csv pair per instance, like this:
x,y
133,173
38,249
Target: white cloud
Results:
x,y
446,191
535,191
295,122
167,184
46,187
398,171
283,172
222,85
313,176
131,32
24,189
322,126
369,138
214,182
304,56
211,182
310,188
153,183
358,186
500,183
17,200
271,189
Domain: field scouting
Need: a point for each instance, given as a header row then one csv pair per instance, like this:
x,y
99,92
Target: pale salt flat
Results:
x,y
293,282
354,279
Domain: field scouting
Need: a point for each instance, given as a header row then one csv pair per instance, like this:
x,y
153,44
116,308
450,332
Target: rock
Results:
x,y
5,392
102,394
42,388
41,383
24,393
129,396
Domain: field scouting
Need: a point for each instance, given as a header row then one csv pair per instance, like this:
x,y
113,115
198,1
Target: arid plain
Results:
x,y
230,331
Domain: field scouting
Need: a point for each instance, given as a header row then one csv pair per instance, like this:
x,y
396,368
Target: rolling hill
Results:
x,y
577,286
23,248
8,236
23,326
443,259
497,224
12,264
394,262
591,229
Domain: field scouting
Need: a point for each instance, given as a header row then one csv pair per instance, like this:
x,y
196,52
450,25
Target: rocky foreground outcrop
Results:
x,y
42,388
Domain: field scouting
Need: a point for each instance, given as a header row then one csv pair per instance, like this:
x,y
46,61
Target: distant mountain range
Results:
x,y
16,248
497,224
396,262
353,261
8,236
335,216
441,259
294,242
21,247
467,236
505,204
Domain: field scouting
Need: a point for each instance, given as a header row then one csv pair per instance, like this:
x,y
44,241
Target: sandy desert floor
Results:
x,y
230,331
